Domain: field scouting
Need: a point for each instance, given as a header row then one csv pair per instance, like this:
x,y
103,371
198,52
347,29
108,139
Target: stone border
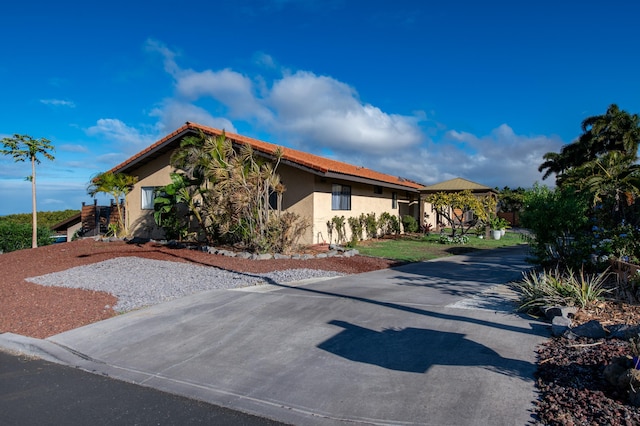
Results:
x,y
334,250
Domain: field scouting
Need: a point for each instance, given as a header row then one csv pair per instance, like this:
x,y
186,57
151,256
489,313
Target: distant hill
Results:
x,y
47,219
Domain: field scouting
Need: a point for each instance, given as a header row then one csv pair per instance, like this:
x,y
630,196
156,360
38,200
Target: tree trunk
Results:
x,y
34,214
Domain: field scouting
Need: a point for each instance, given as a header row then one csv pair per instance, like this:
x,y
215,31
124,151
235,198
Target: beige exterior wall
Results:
x,y
363,201
298,197
153,174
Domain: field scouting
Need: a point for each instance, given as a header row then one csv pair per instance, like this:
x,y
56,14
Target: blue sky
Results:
x,y
426,90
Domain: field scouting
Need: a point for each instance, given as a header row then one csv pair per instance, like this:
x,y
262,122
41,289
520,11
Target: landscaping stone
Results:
x,y
279,256
560,325
244,255
624,331
592,330
264,256
322,255
559,311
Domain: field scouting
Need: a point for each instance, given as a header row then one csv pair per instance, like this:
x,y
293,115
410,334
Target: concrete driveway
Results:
x,y
434,343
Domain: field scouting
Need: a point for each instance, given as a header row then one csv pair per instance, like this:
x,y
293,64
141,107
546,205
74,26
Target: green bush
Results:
x,y
356,225
389,224
559,222
556,288
409,223
371,225
14,236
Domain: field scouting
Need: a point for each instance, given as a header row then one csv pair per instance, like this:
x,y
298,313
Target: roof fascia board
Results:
x,y
155,149
334,175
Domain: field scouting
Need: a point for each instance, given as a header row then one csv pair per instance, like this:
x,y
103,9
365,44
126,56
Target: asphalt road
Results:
x,y
36,392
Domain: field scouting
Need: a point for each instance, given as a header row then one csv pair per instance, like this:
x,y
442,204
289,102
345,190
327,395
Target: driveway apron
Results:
x,y
434,343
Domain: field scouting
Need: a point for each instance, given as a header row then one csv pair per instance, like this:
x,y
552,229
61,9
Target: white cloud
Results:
x,y
321,111
174,114
502,158
313,112
128,137
58,102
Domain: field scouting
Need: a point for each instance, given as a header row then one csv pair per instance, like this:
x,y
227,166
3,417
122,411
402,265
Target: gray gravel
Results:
x,y
139,282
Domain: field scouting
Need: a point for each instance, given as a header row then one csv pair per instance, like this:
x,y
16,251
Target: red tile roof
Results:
x,y
300,158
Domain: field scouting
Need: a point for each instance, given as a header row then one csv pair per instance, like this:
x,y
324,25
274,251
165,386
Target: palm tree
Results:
x,y
615,131
22,148
118,185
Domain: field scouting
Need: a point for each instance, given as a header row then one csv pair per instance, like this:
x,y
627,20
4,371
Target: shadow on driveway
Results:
x,y
415,350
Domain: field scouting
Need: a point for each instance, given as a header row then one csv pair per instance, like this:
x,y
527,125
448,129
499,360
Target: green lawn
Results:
x,y
418,248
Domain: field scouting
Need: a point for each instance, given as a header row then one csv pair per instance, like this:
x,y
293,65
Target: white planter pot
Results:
x,y
496,234
502,232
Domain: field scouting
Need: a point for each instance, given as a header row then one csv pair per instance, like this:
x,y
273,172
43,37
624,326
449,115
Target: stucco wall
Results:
x,y
153,174
364,200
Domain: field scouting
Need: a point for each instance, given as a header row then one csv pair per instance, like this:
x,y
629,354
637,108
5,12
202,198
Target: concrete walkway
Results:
x,y
434,343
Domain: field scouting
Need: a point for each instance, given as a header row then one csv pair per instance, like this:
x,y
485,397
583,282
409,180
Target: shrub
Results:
x,y
559,221
371,225
339,225
553,288
409,223
285,232
389,224
15,236
356,226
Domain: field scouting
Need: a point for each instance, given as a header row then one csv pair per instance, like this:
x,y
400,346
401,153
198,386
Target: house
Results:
x,y
317,188
64,230
428,213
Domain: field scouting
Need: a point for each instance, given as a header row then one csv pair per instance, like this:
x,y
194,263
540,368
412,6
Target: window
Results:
x,y
340,197
377,189
394,200
148,195
273,201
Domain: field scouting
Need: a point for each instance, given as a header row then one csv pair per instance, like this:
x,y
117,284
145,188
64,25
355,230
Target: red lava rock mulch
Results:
x,y
38,311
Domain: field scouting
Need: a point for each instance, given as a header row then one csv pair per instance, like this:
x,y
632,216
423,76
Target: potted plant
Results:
x,y
494,222
503,225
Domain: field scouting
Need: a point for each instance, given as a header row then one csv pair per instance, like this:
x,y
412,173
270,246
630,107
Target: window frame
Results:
x,y
340,197
143,200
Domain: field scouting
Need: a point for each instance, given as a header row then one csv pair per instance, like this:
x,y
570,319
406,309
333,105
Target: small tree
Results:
x,y
23,148
118,185
454,206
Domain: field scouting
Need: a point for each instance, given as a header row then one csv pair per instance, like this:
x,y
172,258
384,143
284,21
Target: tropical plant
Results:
x,y
615,131
557,288
23,148
117,185
234,194
167,204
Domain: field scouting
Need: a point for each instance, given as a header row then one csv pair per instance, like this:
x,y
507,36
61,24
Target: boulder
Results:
x,y
551,312
592,330
560,325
